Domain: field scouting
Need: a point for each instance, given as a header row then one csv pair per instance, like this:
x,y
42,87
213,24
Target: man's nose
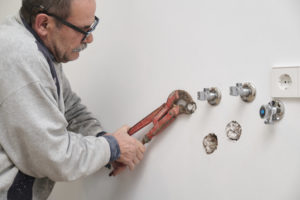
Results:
x,y
89,39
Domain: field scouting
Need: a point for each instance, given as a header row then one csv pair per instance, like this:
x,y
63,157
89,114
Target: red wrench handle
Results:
x,y
144,122
162,124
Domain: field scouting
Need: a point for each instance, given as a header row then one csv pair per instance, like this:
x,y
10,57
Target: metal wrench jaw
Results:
x,y
185,102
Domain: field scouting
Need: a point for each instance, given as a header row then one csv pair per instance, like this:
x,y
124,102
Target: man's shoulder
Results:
x,y
20,58
14,37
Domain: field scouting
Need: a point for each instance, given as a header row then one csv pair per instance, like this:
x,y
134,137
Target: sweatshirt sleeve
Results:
x,y
34,134
79,119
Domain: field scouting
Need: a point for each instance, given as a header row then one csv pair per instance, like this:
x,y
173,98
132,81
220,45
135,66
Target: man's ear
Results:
x,y
41,24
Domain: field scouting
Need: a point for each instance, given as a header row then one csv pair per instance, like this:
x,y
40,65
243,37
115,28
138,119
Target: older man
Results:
x,y
46,134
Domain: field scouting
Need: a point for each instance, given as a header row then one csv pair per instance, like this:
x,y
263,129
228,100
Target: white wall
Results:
x,y
143,50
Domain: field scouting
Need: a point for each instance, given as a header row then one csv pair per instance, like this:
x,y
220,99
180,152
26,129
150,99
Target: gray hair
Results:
x,y
30,8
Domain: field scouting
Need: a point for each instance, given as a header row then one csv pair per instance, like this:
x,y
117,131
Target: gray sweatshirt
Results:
x,y
46,134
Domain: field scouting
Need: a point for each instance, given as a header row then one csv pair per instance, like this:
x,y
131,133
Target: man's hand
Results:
x,y
117,168
132,150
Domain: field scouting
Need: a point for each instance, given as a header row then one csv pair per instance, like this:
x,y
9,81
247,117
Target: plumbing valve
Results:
x,y
212,95
246,91
272,112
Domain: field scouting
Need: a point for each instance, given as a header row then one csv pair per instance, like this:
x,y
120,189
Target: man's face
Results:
x,y
64,42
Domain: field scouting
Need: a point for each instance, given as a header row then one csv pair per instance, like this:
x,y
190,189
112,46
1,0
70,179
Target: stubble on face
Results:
x,y
80,48
62,44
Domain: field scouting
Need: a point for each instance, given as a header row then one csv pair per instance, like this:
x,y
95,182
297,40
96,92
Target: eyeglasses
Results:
x,y
72,26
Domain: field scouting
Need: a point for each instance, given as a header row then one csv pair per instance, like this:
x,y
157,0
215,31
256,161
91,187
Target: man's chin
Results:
x,y
74,56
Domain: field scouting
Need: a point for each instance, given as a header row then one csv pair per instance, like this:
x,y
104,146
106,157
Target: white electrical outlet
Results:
x,y
285,82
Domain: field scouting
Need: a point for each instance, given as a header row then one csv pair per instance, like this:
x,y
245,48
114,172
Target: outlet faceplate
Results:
x,y
285,82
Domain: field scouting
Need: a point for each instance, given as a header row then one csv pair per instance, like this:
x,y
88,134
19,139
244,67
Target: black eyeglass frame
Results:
x,y
72,26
